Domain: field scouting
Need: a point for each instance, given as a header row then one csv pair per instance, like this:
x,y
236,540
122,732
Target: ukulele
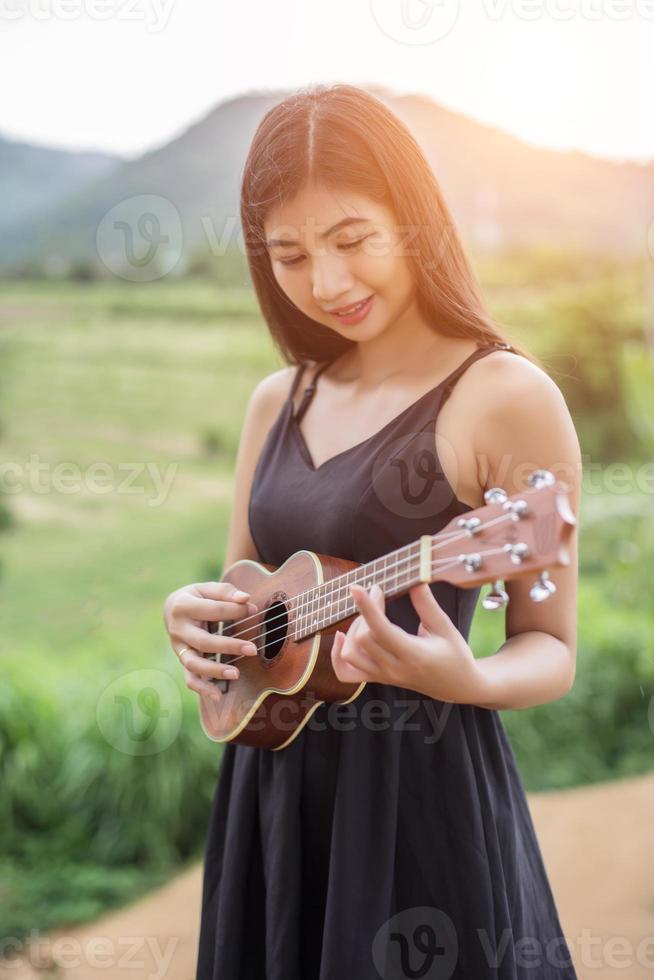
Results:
x,y
301,603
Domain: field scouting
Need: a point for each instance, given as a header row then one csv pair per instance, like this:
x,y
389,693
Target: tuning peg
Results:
x,y
516,508
541,478
470,524
542,588
497,598
495,495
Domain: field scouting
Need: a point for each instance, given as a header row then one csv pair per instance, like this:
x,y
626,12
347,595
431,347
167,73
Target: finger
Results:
x,y
214,610
371,607
367,642
355,657
221,590
344,669
337,645
369,603
195,683
205,642
203,667
432,615
360,648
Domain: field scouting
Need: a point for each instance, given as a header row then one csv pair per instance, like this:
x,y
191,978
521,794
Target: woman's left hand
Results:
x,y
437,661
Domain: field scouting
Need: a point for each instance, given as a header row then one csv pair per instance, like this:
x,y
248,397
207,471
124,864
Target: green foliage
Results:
x,y
593,328
7,519
212,443
36,900
83,270
74,802
638,368
603,727
584,319
225,268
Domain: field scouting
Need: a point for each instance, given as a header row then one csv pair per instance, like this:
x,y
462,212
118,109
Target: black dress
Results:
x,y
390,839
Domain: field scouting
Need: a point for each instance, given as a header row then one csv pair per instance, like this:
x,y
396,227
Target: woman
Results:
x,y
392,836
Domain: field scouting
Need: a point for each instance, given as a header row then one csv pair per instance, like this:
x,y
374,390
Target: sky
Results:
x,y
126,76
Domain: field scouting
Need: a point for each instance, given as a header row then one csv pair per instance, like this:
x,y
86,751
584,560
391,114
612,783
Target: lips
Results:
x,y
348,310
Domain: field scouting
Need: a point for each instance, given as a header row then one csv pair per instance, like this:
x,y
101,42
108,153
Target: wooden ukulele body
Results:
x,y
277,691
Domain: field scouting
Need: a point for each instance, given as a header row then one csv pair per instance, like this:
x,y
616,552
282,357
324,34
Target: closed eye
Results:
x,y
346,246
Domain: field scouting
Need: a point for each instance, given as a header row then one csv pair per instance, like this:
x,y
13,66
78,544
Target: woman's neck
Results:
x,y
403,346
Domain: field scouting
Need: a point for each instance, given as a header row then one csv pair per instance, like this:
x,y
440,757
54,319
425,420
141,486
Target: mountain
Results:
x,y
35,179
507,192
501,190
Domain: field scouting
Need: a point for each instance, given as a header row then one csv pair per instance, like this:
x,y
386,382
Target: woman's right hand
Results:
x,y
187,613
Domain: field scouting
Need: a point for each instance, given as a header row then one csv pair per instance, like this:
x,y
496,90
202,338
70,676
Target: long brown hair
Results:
x,y
343,136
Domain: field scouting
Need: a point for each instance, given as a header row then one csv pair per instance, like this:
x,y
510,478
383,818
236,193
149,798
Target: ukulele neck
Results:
x,y
513,535
395,573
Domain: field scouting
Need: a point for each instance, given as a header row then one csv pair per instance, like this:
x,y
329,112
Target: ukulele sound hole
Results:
x,y
275,624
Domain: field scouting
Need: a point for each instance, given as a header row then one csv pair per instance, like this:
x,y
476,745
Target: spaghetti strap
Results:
x,y
296,380
308,391
445,386
448,383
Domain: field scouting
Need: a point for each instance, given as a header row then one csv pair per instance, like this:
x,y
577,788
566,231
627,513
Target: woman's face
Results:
x,y
323,260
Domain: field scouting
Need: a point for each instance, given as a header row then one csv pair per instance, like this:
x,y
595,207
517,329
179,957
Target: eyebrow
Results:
x,y
339,224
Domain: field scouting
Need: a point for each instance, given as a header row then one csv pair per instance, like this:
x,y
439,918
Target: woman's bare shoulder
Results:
x,y
270,393
515,415
501,404
502,378
275,387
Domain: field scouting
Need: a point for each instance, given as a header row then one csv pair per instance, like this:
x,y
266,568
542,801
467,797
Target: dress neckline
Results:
x,y
304,449
306,454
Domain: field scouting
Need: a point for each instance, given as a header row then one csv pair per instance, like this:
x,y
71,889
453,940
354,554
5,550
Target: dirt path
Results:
x,y
598,846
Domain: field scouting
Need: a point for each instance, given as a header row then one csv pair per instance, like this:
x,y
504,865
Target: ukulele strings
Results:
x,y
269,633
452,536
455,535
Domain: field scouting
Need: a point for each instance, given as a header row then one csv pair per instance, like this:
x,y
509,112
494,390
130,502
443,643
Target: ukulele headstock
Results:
x,y
507,538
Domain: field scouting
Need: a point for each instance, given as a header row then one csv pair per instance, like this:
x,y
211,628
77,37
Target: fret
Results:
x,y
331,602
396,572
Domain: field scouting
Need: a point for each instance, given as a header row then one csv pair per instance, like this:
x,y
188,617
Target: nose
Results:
x,y
331,279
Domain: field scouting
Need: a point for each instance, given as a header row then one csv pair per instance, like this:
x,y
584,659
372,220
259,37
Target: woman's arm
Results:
x,y
526,425
264,404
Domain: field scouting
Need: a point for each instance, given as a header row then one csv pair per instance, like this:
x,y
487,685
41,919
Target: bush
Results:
x,y
75,802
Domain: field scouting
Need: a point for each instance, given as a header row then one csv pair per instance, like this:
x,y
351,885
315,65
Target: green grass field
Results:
x,y
134,422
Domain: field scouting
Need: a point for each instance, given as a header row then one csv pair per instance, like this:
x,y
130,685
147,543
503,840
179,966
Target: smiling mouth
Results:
x,y
349,310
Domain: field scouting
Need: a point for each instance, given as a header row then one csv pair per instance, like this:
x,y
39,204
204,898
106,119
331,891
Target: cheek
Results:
x,y
381,268
293,284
